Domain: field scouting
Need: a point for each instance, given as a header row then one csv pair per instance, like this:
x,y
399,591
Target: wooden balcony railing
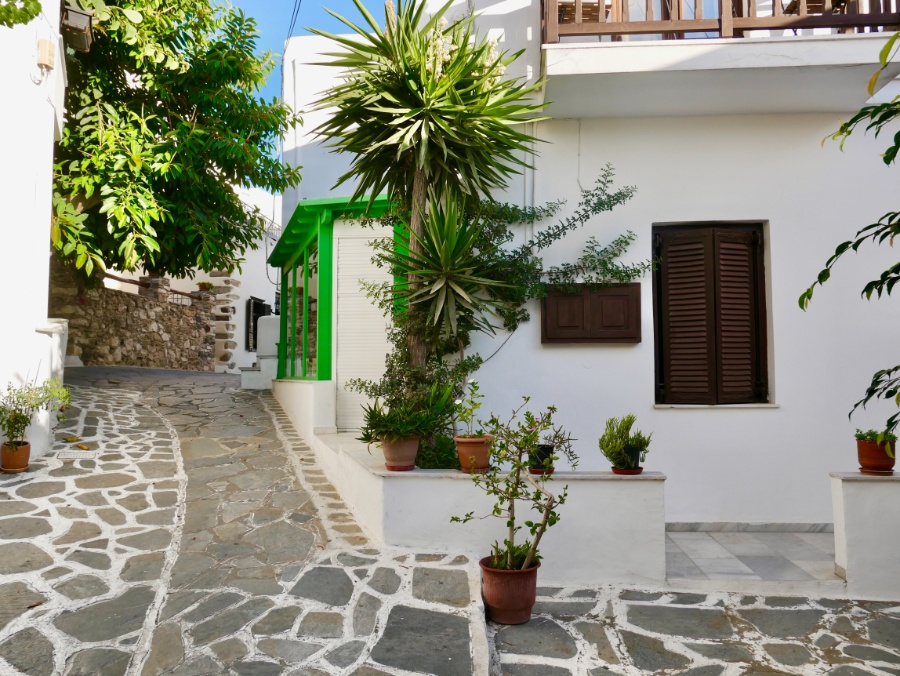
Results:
x,y
673,19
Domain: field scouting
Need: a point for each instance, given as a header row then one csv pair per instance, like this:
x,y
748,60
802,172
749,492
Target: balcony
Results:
x,y
615,19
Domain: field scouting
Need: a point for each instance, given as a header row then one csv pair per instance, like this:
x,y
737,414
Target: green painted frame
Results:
x,y
311,228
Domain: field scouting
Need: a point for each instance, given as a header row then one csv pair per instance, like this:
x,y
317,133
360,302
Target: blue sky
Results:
x,y
274,17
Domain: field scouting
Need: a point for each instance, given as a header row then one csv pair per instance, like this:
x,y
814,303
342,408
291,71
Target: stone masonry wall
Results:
x,y
116,328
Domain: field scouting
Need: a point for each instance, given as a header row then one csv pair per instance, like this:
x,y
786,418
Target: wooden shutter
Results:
x,y
710,315
739,320
588,314
685,326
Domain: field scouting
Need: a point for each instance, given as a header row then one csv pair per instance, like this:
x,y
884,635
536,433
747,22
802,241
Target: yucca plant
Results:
x,y
424,104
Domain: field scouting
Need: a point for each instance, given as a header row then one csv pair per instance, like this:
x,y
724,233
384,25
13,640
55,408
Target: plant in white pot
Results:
x,y
17,408
509,573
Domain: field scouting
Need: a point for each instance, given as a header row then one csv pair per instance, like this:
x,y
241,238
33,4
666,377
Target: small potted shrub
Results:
x,y
399,425
509,573
557,443
876,451
624,449
17,408
473,445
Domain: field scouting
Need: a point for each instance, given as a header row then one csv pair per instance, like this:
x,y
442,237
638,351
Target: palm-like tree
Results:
x,y
424,108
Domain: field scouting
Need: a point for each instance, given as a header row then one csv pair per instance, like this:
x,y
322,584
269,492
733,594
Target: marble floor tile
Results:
x,y
672,546
719,568
700,546
823,541
680,566
820,570
743,544
775,568
792,546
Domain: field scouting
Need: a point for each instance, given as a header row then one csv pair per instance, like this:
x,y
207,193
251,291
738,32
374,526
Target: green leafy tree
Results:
x,y
423,106
164,120
13,12
885,383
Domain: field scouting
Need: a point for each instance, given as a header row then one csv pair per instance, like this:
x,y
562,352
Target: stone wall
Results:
x,y
116,328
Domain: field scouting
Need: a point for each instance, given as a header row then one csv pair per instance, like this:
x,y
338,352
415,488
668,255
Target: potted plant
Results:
x,y
473,445
509,573
626,450
876,451
399,425
552,446
17,408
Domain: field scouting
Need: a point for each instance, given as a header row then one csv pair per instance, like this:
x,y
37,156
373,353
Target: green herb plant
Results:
x,y
467,408
20,402
618,439
889,439
510,483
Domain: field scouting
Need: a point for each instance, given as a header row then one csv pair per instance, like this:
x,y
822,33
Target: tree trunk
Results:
x,y
416,341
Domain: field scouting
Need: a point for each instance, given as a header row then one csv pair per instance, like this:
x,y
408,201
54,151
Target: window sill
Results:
x,y
726,407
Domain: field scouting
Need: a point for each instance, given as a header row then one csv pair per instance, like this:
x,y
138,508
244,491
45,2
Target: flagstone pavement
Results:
x,y
181,526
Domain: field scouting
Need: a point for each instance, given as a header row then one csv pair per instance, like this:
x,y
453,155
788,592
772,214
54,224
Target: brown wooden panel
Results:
x,y
608,314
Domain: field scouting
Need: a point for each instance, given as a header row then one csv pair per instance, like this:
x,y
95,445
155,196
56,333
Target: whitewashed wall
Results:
x,y
31,110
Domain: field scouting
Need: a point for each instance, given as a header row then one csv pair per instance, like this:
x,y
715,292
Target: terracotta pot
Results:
x,y
474,453
508,594
14,457
873,457
625,470
537,461
400,455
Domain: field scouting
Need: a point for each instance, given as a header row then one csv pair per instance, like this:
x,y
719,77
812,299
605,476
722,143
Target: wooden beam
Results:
x,y
726,19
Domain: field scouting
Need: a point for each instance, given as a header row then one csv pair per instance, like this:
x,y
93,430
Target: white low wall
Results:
x,y
867,534
308,403
413,509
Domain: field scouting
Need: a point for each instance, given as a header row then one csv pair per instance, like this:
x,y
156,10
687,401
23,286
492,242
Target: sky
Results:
x,y
273,17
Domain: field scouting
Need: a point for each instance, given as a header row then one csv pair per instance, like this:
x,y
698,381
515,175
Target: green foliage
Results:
x,y
438,452
509,482
618,439
422,95
597,265
561,442
164,122
467,407
13,12
885,383
406,417
20,402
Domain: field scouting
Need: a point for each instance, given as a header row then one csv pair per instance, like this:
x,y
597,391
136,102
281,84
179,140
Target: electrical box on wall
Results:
x,y
592,314
46,59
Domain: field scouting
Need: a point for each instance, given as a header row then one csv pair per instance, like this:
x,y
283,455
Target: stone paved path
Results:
x,y
203,540
200,538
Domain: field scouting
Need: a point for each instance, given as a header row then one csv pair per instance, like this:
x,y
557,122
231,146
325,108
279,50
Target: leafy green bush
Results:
x,y
618,439
19,404
401,418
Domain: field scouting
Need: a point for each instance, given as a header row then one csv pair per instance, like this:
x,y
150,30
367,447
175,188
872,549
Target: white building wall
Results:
x,y
30,117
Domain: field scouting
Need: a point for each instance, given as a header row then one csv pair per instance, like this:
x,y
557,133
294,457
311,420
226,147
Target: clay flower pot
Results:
x,y
474,453
873,457
400,455
508,594
14,457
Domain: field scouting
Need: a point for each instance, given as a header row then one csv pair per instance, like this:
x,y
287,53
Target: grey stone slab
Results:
x,y
327,585
281,542
143,567
229,621
156,469
533,670
788,654
322,625
635,595
290,499
685,599
826,641
188,566
176,602
345,655
257,668
775,568
153,540
649,654
595,634
287,649
709,670
213,605
277,621
165,498
227,431
15,507
99,661
450,587
41,489
22,557
196,448
29,651
257,479
79,531
229,650
109,480
425,641
82,587
783,623
200,665
365,614
166,650
726,651
708,623
15,599
23,528
385,581
564,610
353,561
201,476
848,670
364,670
95,560
539,636
885,631
201,515
108,619
785,601
112,516
871,654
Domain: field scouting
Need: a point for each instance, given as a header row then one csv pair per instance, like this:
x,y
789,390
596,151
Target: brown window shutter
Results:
x,y
685,327
740,320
